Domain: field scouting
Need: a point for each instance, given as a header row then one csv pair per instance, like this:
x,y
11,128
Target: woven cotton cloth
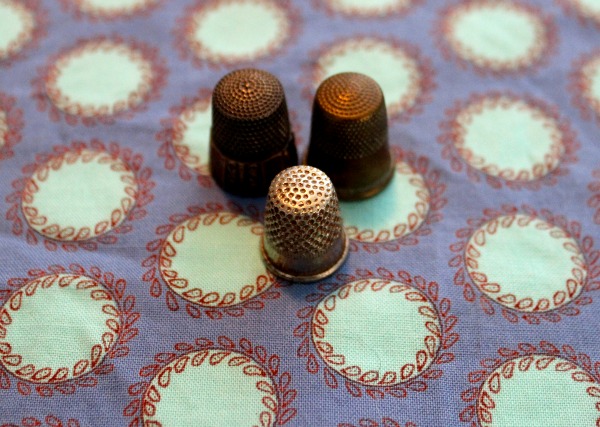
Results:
x,y
132,288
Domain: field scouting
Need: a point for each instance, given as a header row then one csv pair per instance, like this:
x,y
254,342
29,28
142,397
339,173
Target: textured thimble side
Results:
x,y
349,135
304,238
251,137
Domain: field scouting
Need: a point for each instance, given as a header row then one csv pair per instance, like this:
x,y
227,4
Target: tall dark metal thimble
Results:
x,y
251,137
304,237
349,135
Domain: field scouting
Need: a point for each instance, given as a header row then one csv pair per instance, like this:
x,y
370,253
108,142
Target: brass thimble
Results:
x,y
349,135
304,238
251,138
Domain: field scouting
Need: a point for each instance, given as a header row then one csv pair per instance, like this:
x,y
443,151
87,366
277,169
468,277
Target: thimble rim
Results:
x,y
309,278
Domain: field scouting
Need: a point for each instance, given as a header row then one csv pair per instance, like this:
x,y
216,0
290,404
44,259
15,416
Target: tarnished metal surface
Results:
x,y
349,135
251,137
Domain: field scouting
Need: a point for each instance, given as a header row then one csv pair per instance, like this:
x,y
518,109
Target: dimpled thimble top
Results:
x,y
302,216
349,116
250,117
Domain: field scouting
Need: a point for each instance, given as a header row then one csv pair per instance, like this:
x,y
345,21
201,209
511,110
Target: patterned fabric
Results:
x,y
132,289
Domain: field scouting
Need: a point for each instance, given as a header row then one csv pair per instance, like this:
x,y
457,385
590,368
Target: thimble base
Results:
x,y
355,179
250,179
374,188
305,278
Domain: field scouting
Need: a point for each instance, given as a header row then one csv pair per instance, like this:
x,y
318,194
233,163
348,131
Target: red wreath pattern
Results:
x,y
47,75
39,31
472,294
594,200
13,117
579,11
580,86
152,275
452,131
332,379
49,421
424,84
185,26
437,201
545,46
143,197
172,128
271,364
116,288
389,12
80,10
385,422
473,413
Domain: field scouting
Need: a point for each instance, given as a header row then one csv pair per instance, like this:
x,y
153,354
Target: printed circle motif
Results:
x,y
125,75
109,9
3,129
79,195
384,422
585,85
219,237
11,125
191,136
525,263
540,388
405,78
508,137
262,28
18,24
211,378
49,421
73,307
397,211
594,200
497,37
370,8
376,350
585,10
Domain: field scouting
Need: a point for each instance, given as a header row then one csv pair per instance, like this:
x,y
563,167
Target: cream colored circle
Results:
x,y
374,349
591,73
60,324
509,138
117,7
17,24
496,35
397,211
79,195
261,26
223,386
545,390
526,263
588,7
197,252
120,73
369,7
191,141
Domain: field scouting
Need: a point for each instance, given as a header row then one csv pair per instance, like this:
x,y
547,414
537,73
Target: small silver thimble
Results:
x,y
349,135
304,239
251,137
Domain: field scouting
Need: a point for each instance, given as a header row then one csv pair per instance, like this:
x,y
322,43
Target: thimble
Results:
x,y
304,238
251,140
349,135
